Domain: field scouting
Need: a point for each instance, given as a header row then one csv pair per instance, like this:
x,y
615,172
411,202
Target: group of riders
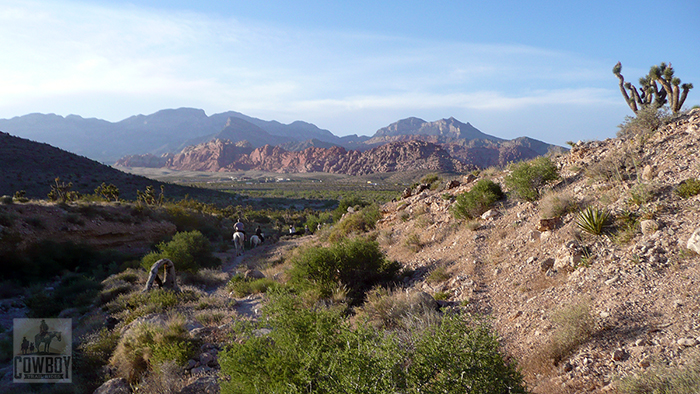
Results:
x,y
240,228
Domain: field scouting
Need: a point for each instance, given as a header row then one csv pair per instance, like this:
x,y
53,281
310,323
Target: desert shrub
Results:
x,y
594,220
413,242
438,275
190,251
147,346
317,351
688,188
478,200
36,222
91,356
433,180
74,291
168,377
626,227
527,177
574,326
357,264
640,194
355,223
322,218
557,204
128,307
343,204
441,296
645,123
618,166
664,379
205,278
387,309
242,287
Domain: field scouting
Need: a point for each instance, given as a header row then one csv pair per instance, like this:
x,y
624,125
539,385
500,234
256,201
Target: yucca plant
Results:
x,y
594,220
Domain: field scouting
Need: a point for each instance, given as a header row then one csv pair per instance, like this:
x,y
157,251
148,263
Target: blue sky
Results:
x,y
539,68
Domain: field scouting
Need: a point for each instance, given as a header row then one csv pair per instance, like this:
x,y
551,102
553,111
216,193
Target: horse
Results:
x,y
255,241
46,340
238,242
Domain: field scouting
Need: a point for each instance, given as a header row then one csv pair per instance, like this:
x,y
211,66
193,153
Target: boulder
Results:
x,y
548,224
202,385
649,226
253,274
114,386
694,241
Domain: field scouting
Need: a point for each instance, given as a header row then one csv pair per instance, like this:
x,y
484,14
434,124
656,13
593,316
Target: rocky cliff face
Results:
x,y
224,155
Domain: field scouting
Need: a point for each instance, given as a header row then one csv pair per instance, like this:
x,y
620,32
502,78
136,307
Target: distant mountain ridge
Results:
x,y
175,138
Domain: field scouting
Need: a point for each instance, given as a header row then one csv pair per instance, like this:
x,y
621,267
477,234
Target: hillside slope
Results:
x,y
639,287
33,166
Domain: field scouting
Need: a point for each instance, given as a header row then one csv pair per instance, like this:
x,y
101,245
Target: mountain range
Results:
x,y
187,138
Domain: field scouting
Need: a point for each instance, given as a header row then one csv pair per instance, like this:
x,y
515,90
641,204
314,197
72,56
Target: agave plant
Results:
x,y
594,220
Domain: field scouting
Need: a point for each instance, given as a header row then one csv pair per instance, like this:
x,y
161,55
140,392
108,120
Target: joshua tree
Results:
x,y
668,90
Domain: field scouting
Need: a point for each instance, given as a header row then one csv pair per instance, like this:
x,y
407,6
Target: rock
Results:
x,y
687,342
548,224
604,314
69,312
534,236
568,257
619,355
202,369
640,342
649,172
406,193
114,386
649,226
420,188
202,385
612,280
253,274
645,362
469,178
452,184
490,214
694,241
547,264
206,358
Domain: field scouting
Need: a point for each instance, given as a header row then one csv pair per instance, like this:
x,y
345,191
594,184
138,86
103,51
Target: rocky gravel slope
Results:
x,y
637,288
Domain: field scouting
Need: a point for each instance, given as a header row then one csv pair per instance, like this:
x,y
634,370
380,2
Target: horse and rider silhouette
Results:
x,y
44,337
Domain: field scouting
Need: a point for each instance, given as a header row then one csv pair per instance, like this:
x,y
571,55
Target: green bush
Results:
x,y
317,351
527,177
478,200
190,251
356,223
74,291
688,188
357,264
352,201
242,287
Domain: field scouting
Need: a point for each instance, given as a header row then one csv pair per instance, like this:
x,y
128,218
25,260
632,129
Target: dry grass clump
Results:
x,y
147,346
438,275
663,379
206,277
575,326
387,309
167,378
413,242
557,204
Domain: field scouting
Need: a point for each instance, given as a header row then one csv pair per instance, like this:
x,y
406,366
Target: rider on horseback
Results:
x,y
258,232
238,228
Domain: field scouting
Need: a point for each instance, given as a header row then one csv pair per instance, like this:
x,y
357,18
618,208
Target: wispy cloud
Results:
x,y
73,50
